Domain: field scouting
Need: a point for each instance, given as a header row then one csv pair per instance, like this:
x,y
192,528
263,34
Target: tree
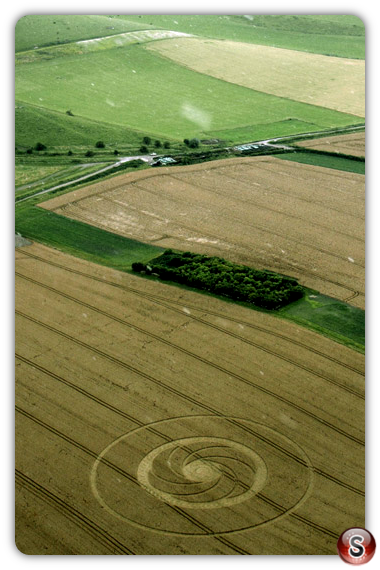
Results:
x,y
100,144
89,153
115,152
186,141
147,140
144,149
70,113
39,146
138,266
157,144
194,143
166,144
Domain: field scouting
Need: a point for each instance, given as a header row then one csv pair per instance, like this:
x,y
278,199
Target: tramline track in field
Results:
x,y
241,223
184,350
86,524
124,415
180,394
208,532
283,193
163,301
261,207
86,219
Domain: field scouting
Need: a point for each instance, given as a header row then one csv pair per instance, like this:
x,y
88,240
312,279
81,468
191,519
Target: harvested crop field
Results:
x,y
352,144
154,420
301,220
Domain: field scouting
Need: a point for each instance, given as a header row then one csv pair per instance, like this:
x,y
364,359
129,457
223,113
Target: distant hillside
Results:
x,y
339,35
40,31
36,124
119,89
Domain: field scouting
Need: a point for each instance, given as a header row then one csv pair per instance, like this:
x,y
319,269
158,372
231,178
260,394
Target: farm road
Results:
x,y
144,157
270,143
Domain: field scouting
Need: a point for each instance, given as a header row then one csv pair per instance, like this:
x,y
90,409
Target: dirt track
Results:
x,y
300,220
153,420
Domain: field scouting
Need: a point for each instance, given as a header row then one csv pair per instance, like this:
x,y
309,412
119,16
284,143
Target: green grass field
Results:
x,y
38,31
81,240
326,160
342,35
59,130
340,321
119,94
136,89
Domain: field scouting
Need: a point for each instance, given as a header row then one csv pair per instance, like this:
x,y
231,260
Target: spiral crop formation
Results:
x,y
201,476
202,472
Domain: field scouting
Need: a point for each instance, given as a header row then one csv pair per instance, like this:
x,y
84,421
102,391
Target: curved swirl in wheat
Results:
x,y
201,476
202,472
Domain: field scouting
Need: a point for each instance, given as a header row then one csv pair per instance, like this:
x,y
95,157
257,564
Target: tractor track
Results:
x,y
187,397
184,350
86,524
208,532
163,301
139,423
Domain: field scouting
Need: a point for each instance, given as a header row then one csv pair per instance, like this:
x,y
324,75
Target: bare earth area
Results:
x,y
154,420
301,220
352,144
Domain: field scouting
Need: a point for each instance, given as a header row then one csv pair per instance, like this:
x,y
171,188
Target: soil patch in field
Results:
x,y
21,241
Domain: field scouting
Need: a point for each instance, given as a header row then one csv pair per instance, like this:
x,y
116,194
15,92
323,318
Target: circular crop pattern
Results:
x,y
202,472
201,476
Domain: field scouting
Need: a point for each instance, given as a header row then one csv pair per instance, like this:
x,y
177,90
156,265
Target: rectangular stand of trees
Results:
x,y
263,289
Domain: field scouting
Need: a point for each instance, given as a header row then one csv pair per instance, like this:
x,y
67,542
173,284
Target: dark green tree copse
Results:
x,y
216,275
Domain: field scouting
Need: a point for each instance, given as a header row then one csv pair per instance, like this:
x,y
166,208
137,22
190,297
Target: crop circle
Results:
x,y
201,476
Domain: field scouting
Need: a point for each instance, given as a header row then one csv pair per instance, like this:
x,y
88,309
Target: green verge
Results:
x,y
325,315
330,317
80,239
327,160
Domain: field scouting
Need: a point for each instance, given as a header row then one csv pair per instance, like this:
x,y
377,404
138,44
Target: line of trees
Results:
x,y
261,288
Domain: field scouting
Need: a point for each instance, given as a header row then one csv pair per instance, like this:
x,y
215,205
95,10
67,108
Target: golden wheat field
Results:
x,y
321,79
351,144
154,420
300,220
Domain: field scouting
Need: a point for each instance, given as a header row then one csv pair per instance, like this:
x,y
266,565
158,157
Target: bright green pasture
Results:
x,y
338,35
327,160
80,239
336,319
55,128
137,89
44,30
